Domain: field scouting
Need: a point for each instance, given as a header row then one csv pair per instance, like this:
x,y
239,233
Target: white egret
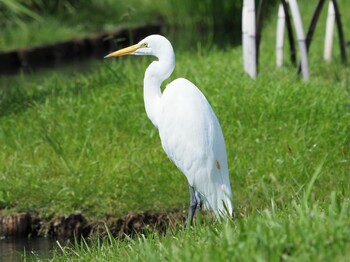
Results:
x,y
188,128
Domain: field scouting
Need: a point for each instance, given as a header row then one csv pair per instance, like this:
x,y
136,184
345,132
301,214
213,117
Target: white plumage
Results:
x,y
189,131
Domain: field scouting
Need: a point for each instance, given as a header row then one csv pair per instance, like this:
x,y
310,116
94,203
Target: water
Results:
x,y
16,248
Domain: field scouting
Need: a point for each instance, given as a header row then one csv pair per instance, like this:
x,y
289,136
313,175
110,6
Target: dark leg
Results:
x,y
193,205
199,202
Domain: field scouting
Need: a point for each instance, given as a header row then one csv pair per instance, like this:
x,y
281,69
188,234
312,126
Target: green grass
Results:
x,y
67,21
68,142
296,233
81,142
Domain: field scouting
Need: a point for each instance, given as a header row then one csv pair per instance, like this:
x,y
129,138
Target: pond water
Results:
x,y
18,248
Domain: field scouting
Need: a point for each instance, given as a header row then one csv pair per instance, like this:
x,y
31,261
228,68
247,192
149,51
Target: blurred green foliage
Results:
x,y
215,12
32,22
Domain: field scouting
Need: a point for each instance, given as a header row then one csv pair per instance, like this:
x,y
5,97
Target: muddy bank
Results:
x,y
74,50
76,225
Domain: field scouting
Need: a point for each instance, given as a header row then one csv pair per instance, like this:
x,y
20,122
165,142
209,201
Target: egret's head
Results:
x,y
155,45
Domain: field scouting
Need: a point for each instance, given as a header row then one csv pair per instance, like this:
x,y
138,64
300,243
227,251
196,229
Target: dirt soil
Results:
x,y
76,225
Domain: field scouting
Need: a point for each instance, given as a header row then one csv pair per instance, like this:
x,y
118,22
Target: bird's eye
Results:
x,y
144,45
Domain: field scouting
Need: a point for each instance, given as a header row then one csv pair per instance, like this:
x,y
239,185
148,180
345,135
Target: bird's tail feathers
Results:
x,y
220,201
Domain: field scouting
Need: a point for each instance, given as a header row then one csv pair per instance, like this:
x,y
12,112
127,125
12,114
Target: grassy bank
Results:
x,y
296,233
81,142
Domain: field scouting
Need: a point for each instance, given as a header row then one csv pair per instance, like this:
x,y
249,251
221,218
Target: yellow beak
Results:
x,y
125,51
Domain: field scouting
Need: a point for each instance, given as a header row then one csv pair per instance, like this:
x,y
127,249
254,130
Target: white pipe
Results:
x,y
251,26
280,36
329,33
245,35
298,24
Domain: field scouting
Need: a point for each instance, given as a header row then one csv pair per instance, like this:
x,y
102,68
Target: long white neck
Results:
x,y
155,74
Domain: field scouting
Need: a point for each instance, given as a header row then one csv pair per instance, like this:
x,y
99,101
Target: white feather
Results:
x,y
189,130
192,138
